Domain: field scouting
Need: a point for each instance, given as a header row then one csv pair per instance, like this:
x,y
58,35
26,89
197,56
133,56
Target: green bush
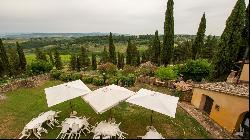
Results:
x,y
128,80
65,77
98,81
39,67
166,73
55,74
127,69
87,79
146,69
112,80
75,76
196,70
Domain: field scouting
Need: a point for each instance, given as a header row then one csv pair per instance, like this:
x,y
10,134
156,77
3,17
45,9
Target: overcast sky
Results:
x,y
119,16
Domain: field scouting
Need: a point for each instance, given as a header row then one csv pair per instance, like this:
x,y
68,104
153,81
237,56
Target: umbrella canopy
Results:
x,y
107,97
66,91
155,101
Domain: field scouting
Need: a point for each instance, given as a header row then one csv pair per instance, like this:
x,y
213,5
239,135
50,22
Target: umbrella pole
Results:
x,y
71,107
151,118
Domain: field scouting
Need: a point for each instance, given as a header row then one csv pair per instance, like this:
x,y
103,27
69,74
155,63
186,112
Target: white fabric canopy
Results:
x,y
105,98
155,101
66,91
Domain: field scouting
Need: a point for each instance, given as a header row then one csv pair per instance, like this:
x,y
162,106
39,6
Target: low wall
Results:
x,y
34,81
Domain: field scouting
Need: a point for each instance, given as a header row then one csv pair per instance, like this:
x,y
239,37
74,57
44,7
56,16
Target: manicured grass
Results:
x,y
23,104
32,57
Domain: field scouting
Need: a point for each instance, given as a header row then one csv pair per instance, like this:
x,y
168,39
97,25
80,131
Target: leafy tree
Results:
x,y
94,64
4,59
210,45
156,49
230,41
58,61
112,54
73,62
168,37
22,59
104,56
40,55
198,42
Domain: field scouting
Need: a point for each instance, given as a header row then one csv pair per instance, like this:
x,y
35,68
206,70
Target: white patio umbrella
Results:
x,y
155,101
64,92
107,97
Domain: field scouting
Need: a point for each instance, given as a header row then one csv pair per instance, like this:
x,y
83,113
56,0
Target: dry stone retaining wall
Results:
x,y
34,81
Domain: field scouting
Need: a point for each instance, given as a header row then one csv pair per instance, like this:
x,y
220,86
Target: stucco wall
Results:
x,y
231,107
245,73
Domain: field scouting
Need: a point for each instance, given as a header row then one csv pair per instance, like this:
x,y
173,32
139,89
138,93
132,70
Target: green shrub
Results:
x,y
166,73
196,69
65,77
98,81
112,80
55,74
87,79
107,68
39,67
75,76
128,80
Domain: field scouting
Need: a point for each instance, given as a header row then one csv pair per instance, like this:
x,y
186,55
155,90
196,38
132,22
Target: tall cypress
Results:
x,y
199,39
84,59
4,59
129,53
224,59
73,62
120,63
40,55
138,59
22,59
94,64
168,37
104,56
13,61
58,61
51,58
78,63
112,53
156,49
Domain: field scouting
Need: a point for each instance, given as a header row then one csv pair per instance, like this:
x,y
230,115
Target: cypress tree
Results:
x,y
230,41
22,59
129,53
245,37
156,49
104,56
1,68
209,46
120,63
58,61
4,59
40,55
112,54
78,63
199,39
51,58
143,57
73,62
94,64
13,61
168,37
84,59
138,59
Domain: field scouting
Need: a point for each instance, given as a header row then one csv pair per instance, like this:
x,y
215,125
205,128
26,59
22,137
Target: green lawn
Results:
x,y
23,104
32,57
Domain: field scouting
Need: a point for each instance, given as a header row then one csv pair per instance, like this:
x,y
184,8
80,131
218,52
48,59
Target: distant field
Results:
x,y
32,57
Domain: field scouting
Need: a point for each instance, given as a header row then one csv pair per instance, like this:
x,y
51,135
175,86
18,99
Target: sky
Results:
x,y
118,16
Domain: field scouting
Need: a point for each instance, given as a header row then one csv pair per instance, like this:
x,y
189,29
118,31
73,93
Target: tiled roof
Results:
x,y
238,90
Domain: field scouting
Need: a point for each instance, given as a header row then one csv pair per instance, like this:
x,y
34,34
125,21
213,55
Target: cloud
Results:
x,y
121,16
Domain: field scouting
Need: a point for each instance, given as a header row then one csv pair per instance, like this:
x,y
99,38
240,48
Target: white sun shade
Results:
x,y
107,97
64,92
155,101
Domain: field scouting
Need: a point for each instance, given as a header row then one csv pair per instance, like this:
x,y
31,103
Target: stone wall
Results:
x,y
34,81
